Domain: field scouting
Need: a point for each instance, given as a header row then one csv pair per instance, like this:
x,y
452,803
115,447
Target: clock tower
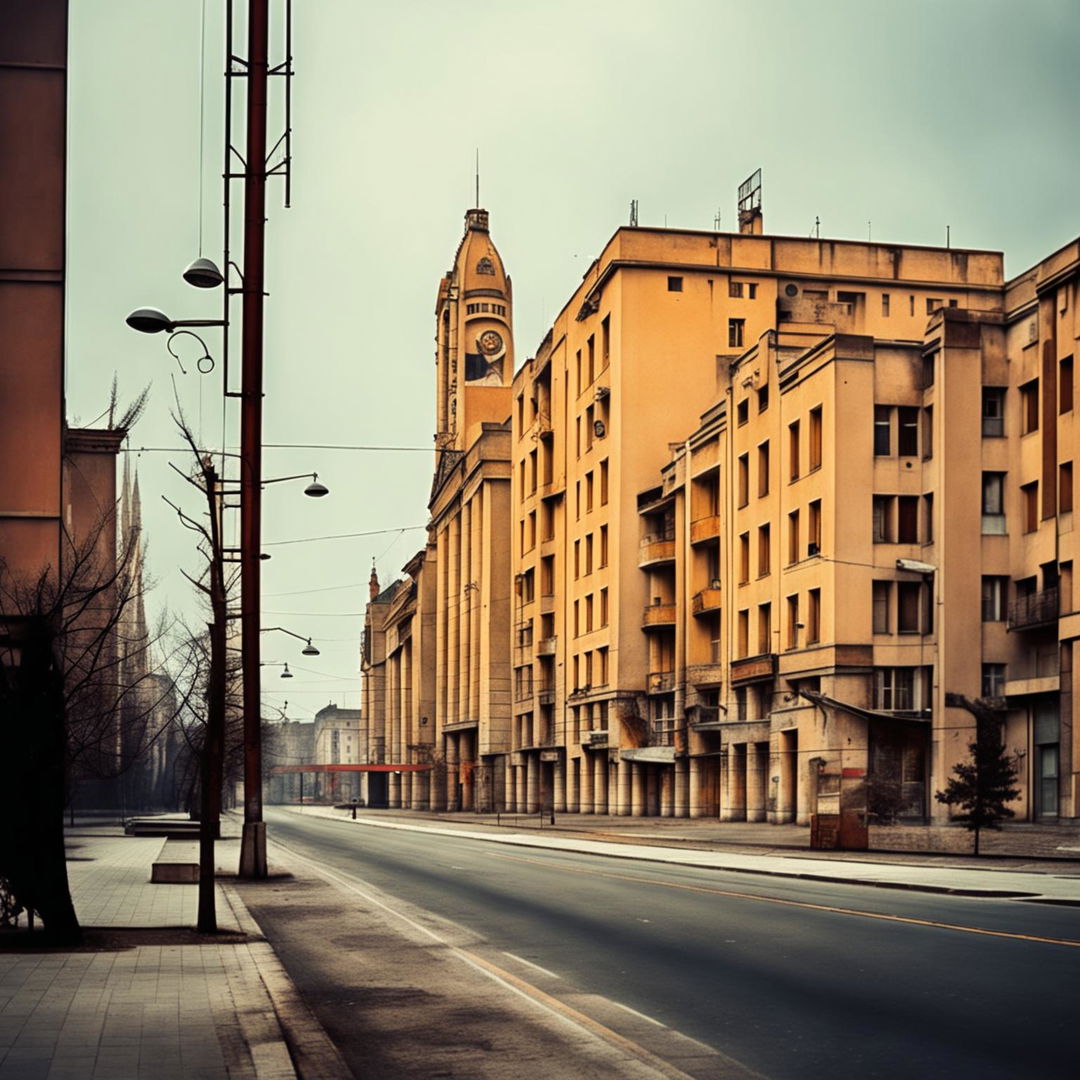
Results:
x,y
474,357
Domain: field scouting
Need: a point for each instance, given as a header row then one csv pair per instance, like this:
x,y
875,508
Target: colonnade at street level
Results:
x,y
732,785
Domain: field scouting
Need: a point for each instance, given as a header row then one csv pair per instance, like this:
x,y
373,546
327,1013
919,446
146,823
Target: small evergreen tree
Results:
x,y
983,785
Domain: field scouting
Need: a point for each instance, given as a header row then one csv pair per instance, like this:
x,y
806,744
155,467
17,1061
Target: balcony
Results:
x,y
655,552
661,682
547,603
705,529
658,617
707,601
1038,609
545,694
546,646
705,675
662,732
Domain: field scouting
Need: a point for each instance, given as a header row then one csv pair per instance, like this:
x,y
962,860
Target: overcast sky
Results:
x,y
912,116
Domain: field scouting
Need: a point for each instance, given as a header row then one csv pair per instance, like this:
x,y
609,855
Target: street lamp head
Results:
x,y
309,649
286,674
203,274
315,489
264,557
148,320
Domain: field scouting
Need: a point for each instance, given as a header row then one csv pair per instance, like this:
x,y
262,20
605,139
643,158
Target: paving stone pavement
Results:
x,y
196,1012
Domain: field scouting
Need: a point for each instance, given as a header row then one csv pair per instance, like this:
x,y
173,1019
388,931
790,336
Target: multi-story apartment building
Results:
x,y
772,501
336,741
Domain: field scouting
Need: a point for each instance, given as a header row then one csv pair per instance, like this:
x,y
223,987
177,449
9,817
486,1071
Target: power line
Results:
x,y
344,536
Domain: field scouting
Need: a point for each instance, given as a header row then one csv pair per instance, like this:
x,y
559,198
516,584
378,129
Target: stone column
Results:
x,y
682,777
622,806
559,795
532,783
696,809
586,795
757,761
667,789
637,790
452,773
600,782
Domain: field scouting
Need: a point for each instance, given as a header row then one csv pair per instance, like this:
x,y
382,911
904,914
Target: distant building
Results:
x,y
337,742
290,742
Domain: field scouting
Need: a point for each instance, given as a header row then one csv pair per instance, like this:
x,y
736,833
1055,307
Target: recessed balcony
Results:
x,y
705,529
655,552
706,601
659,617
545,694
661,682
1038,609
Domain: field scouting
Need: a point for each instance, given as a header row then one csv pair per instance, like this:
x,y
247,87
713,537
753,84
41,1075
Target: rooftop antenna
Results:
x,y
948,236
633,213
869,231
716,221
817,227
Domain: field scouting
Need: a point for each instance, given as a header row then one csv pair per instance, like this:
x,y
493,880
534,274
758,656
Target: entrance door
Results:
x,y
1047,793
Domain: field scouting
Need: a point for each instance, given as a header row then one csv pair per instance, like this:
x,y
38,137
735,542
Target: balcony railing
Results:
x,y
663,732
706,528
546,646
1038,609
656,550
659,615
661,682
706,601
545,694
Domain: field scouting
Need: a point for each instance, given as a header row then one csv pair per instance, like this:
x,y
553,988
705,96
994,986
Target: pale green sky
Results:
x,y
911,115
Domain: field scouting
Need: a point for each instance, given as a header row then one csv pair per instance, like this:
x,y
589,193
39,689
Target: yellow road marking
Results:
x,y
794,903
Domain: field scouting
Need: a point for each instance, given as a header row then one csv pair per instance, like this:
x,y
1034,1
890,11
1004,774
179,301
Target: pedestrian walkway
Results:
x,y
1050,882
140,1001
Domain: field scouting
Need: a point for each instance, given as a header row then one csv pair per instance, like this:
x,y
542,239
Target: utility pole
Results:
x,y
253,844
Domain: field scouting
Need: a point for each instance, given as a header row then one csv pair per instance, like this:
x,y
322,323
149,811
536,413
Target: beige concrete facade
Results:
x,y
770,500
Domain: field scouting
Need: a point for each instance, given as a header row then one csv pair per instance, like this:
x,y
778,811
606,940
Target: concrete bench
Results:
x,y
182,828
178,864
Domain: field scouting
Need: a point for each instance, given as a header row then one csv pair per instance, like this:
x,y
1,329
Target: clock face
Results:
x,y
490,342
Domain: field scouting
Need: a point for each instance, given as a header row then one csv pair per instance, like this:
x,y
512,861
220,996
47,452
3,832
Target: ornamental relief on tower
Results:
x,y
484,366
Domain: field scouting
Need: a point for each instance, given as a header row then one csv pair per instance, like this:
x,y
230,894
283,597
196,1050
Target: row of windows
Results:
x,y
795,458
587,369
900,426
593,479
797,623
485,309
896,519
583,553
902,607
585,610
590,669
993,500
795,551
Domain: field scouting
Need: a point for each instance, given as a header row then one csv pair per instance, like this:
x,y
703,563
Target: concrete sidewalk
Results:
x,y
1055,882
150,998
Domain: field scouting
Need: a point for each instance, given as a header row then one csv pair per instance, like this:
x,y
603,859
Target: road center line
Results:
x,y
529,963
805,904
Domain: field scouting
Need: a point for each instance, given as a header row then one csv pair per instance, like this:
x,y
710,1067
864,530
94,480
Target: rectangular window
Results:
x,y
577,622
603,545
885,305
532,472
993,503
764,550
577,559
735,333
814,461
793,450
577,500
578,444
588,553
588,613
674,284
907,519
932,304
588,491
882,430
929,364
793,621
908,432
793,537
1065,487
763,398
813,616
742,412
1029,407
602,664
764,628
590,422
896,689
604,482
603,607
763,469
993,680
994,592
993,412
928,432
883,505
605,340
928,518
744,479
813,531
744,632
882,592
909,607
1065,385
735,289
744,558
591,343
1029,502
580,383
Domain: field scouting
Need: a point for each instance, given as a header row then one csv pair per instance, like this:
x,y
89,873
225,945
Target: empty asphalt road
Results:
x,y
790,978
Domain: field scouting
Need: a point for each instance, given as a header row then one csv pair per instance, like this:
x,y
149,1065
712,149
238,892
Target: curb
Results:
x,y
566,845
309,1053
